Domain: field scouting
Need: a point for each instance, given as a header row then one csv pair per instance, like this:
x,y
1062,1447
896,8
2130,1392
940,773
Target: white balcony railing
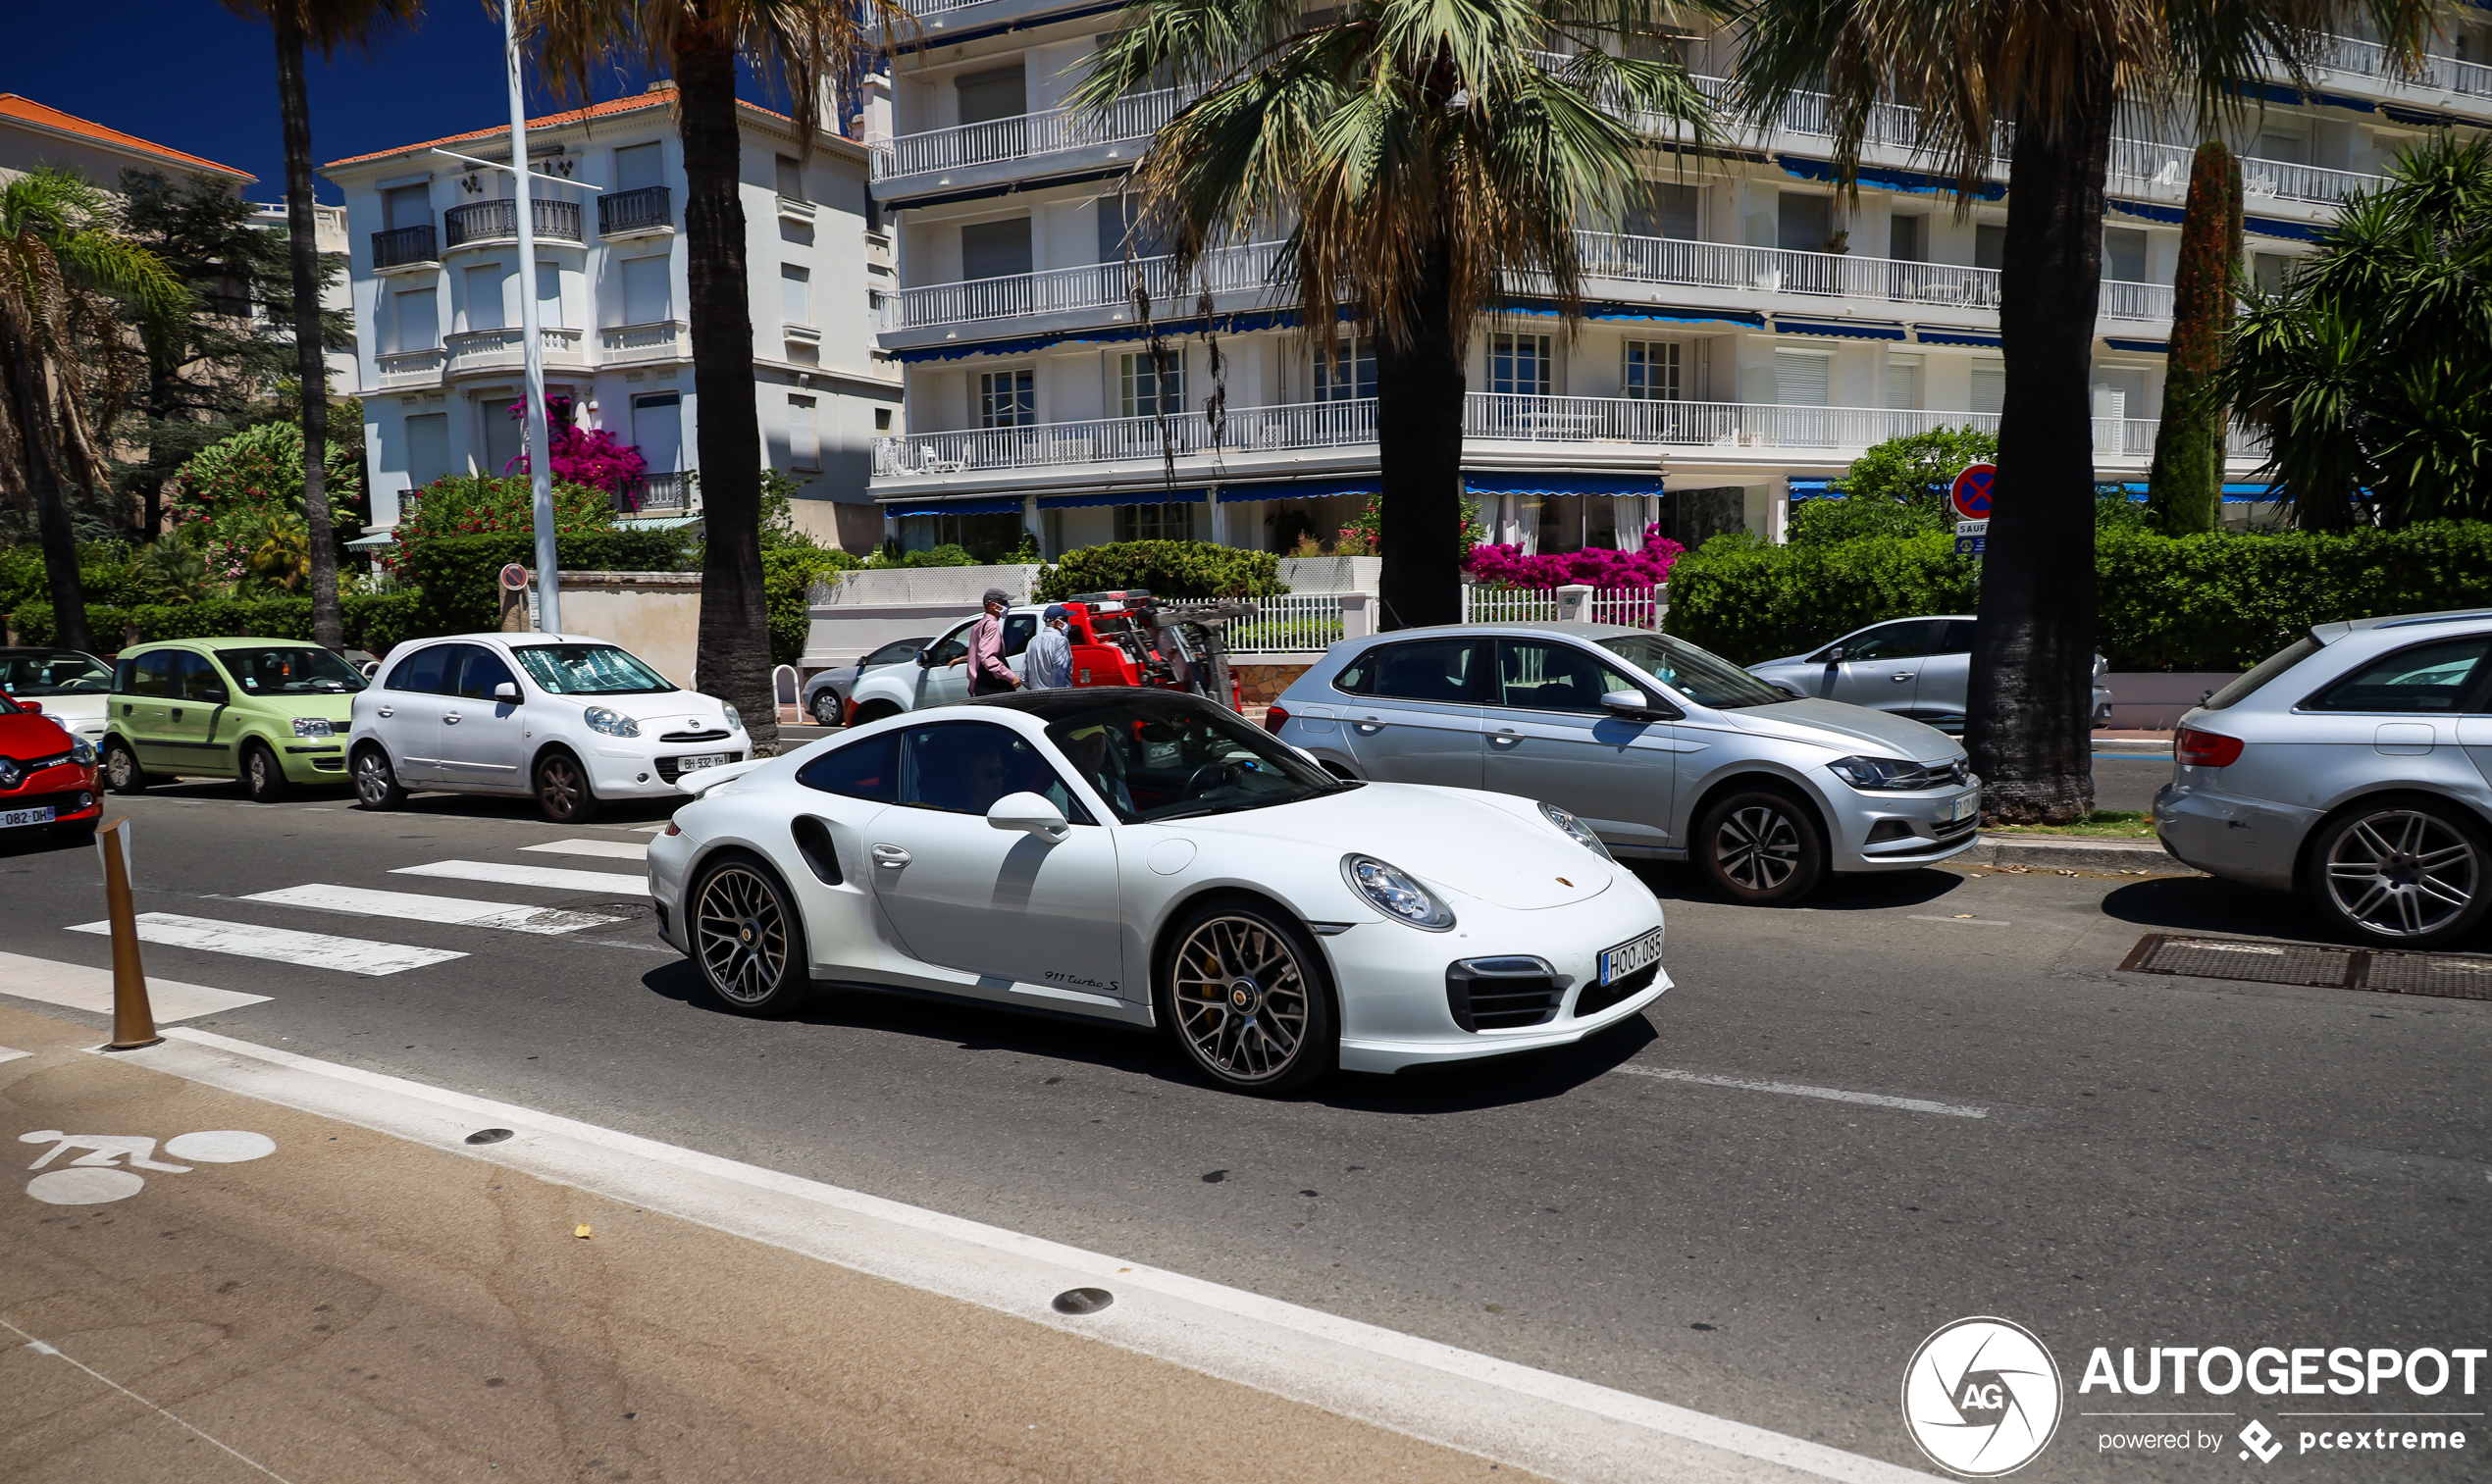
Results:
x,y
1605,255
657,340
1295,622
2368,59
470,349
1040,134
1487,417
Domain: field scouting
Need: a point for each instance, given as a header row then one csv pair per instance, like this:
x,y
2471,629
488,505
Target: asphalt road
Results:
x,y
2160,1161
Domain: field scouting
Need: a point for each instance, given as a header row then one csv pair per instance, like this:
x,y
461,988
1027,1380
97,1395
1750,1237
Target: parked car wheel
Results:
x,y
748,936
376,783
1245,993
2401,872
1761,846
875,710
122,773
826,708
563,794
263,776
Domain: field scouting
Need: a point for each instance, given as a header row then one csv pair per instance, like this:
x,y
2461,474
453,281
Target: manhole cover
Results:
x,y
2447,976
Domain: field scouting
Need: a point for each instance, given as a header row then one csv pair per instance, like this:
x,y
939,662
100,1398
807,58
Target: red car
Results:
x,y
47,777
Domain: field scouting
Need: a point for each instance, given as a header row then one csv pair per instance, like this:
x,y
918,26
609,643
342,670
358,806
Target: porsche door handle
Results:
x,y
890,855
1907,675
450,719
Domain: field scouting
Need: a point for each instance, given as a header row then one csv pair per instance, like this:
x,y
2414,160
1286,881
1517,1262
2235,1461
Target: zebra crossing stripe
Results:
x,y
318,950
506,874
611,850
359,901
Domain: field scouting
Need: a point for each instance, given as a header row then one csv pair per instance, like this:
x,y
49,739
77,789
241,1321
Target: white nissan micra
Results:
x,y
573,720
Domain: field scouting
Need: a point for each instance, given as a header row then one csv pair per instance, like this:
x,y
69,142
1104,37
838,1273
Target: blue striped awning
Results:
x,y
1844,329
1302,490
1507,482
928,505
2236,492
2148,348
1931,335
1119,497
1912,182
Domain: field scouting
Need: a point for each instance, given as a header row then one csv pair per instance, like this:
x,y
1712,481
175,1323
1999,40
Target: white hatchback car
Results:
x,y
573,720
1147,857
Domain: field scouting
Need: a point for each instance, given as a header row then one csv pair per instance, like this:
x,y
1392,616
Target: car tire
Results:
x,y
747,936
121,772
1246,995
1761,847
826,709
2401,871
875,710
263,776
377,785
563,794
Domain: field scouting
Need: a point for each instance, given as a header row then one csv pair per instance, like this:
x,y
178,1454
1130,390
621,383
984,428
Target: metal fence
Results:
x,y
1296,622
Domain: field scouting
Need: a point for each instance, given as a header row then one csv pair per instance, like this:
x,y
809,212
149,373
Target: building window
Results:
x,y
882,420
418,320
1651,373
549,296
1518,365
1668,211
1908,239
2124,254
796,293
407,206
1990,246
1800,378
1804,223
791,178
804,437
1903,382
1008,398
1155,523
649,289
996,249
657,428
638,167
1148,388
1346,369
428,447
1989,388
485,308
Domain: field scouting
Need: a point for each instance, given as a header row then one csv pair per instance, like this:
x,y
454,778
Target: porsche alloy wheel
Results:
x,y
1244,995
746,938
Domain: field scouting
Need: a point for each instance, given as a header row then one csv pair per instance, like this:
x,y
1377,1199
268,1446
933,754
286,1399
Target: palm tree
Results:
x,y
2371,368
801,46
326,24
68,364
2055,75
2185,485
1434,161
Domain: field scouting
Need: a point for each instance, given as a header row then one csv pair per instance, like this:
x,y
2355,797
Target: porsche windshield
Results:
x,y
1172,756
1702,677
589,670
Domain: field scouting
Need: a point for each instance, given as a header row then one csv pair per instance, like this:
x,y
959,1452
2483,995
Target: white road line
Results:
x,y
1962,922
1553,1425
611,850
1803,1090
79,987
648,829
361,901
506,874
318,950
12,1054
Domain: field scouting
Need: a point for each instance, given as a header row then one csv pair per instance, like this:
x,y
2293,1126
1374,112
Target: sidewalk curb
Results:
x,y
2044,852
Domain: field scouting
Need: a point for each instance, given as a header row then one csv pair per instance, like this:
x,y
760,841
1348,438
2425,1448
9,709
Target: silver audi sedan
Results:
x,y
1663,751
2350,766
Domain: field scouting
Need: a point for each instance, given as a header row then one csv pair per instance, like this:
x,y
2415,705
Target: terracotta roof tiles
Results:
x,y
42,116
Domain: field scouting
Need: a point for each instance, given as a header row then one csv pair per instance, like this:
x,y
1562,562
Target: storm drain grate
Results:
x,y
2448,976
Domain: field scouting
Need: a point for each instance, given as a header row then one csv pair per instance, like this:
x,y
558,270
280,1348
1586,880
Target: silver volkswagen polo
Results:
x,y
1661,750
2350,766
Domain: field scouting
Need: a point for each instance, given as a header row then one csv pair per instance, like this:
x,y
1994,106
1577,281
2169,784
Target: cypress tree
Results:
x,y
2185,486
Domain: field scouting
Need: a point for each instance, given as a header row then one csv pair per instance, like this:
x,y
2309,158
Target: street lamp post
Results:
x,y
531,348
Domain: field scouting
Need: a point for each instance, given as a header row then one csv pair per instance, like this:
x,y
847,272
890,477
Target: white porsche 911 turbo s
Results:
x,y
1145,857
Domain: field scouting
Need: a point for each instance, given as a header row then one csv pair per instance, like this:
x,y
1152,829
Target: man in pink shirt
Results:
x,y
989,675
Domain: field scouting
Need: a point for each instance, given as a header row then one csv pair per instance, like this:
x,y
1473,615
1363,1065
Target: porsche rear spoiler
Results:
x,y
702,781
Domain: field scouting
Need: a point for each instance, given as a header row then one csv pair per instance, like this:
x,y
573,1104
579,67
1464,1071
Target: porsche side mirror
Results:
x,y
506,694
1031,813
926,659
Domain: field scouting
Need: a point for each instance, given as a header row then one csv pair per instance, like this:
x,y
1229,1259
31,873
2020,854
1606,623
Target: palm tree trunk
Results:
x,y
2184,486
2027,725
69,629
1420,382
329,625
733,655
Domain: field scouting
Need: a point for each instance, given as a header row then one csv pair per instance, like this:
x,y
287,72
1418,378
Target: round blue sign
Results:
x,y
1970,493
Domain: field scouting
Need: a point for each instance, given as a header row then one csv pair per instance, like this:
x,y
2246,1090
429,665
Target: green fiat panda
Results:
x,y
272,712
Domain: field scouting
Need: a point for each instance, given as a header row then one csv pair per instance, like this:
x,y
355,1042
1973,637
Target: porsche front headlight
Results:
x,y
1396,892
1581,831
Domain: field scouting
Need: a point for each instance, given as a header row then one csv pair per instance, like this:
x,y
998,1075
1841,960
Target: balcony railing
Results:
x,y
635,211
2370,58
401,245
1041,134
494,221
1605,255
658,340
656,495
1487,417
472,349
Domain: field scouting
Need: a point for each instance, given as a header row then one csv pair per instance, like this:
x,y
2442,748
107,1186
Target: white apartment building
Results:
x,y
1745,339
436,299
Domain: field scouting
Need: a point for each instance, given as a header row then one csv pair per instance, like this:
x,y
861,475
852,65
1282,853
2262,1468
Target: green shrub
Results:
x,y
787,572
373,621
2208,602
456,575
1165,569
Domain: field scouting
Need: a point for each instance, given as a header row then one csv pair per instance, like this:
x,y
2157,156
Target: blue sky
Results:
x,y
193,76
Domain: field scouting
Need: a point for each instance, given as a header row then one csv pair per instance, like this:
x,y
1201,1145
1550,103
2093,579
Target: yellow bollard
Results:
x,y
133,1019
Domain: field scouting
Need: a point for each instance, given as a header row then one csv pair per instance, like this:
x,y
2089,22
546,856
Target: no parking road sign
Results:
x,y
1970,493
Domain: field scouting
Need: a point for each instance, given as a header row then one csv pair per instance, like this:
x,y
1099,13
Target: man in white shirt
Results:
x,y
1050,663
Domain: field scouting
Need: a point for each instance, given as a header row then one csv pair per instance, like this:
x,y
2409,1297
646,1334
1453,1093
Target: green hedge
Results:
x,y
786,572
374,621
457,575
1165,569
2207,602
